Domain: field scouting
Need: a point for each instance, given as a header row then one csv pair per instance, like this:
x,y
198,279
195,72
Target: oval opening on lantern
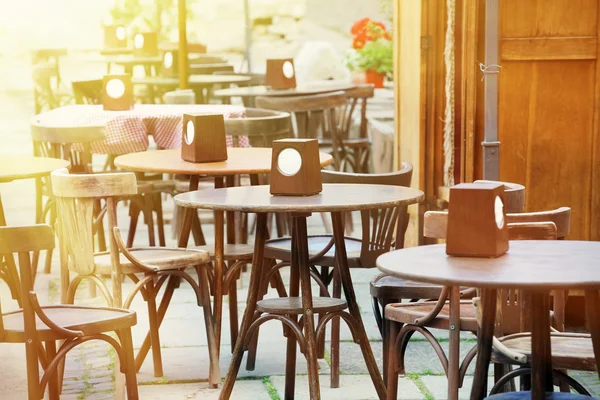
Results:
x,y
168,60
499,212
115,88
189,132
138,41
121,33
289,161
288,69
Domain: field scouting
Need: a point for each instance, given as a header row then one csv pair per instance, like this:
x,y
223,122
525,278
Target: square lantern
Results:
x,y
281,74
296,167
203,138
117,92
115,37
145,44
477,221
170,63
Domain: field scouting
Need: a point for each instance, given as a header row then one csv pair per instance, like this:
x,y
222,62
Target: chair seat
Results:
x,y
390,287
280,249
569,350
293,305
407,313
163,186
233,252
549,396
159,257
89,320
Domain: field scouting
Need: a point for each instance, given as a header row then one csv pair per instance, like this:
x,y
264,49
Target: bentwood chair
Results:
x,y
88,92
148,268
324,117
382,230
43,328
405,319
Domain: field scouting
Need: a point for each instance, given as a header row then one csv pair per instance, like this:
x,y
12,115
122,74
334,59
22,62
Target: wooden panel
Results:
x,y
544,18
549,49
546,121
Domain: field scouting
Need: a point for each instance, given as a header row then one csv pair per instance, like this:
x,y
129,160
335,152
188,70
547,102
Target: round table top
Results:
x,y
529,264
334,197
250,160
194,80
25,167
307,89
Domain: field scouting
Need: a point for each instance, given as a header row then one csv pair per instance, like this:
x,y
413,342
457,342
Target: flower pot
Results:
x,y
374,77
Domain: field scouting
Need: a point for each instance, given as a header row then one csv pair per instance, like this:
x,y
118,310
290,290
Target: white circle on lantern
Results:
x,y
120,33
168,60
115,88
138,41
289,161
499,212
288,70
189,132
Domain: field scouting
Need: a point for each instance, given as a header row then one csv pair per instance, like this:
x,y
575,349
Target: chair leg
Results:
x,y
154,325
324,275
48,264
386,335
130,373
148,207
233,312
160,223
392,368
214,376
253,345
53,386
335,334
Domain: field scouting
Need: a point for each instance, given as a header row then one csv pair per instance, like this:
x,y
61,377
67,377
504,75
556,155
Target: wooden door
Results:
x,y
549,106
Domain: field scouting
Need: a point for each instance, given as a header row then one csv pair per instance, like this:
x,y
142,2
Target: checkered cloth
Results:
x,y
127,131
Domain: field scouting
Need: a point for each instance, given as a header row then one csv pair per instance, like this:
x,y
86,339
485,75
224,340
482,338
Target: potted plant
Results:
x,y
372,51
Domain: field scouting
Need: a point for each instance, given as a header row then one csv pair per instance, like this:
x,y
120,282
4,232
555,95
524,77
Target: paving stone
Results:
x,y
352,387
420,358
191,363
243,390
437,386
589,380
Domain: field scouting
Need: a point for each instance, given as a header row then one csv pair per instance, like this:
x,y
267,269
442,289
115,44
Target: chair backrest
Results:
x,y
43,94
358,96
75,196
380,227
260,126
435,223
24,240
87,92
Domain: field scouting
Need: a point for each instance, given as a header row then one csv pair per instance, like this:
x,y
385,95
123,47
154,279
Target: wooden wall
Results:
x,y
549,105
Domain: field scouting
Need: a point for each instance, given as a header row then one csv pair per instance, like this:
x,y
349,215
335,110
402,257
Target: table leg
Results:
x,y
253,293
485,336
342,263
592,310
307,305
290,359
454,344
541,356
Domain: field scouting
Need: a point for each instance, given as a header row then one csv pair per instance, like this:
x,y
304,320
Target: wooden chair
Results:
x,y
75,195
60,143
88,92
406,318
382,230
64,325
325,117
389,289
48,93
359,147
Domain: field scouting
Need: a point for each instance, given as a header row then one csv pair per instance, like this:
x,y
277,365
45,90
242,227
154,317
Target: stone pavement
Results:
x,y
90,368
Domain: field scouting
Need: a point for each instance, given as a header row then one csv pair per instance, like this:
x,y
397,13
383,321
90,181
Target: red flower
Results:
x,y
359,25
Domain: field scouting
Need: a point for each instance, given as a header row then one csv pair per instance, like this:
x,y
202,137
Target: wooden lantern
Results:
x,y
170,63
203,138
115,37
117,92
145,44
281,74
477,220
296,167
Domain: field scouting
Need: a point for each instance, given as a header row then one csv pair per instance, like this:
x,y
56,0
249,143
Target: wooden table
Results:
x,y
336,199
251,160
14,168
312,88
196,82
536,267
